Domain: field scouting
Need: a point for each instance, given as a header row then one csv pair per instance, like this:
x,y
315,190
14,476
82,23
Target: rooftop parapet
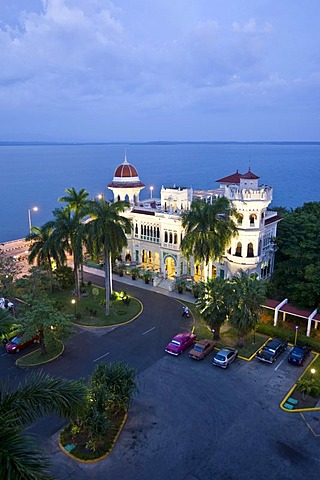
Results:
x,y
234,192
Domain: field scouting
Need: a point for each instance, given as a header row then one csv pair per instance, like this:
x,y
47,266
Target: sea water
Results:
x,y
37,175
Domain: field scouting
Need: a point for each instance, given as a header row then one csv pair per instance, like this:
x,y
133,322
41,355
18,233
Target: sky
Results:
x,y
159,70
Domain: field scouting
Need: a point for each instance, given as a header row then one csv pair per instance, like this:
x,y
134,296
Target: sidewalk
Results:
x,y
139,283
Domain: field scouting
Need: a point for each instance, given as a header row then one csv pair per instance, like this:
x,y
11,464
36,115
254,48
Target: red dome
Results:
x,y
126,176
125,170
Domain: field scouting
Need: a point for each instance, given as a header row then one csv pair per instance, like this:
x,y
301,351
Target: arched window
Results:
x,y
175,239
141,229
158,232
252,219
170,237
250,250
259,247
148,231
238,250
144,230
136,229
165,237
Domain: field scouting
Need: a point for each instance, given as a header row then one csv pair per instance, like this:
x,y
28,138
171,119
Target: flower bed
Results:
x,y
76,445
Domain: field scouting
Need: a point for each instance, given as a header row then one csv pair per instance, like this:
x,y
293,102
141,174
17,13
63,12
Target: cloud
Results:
x,y
251,27
120,61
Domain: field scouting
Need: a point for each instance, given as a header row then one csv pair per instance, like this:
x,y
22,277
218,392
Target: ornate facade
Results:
x,y
157,231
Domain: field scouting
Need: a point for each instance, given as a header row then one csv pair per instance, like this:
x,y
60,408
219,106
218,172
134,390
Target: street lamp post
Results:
x,y
151,190
35,209
75,307
296,334
312,372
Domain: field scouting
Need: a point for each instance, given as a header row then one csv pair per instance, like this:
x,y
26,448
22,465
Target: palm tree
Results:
x,y
21,406
79,204
209,228
44,247
69,231
247,296
213,303
106,233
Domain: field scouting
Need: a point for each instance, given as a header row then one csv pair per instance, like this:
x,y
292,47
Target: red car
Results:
x,y
180,343
19,343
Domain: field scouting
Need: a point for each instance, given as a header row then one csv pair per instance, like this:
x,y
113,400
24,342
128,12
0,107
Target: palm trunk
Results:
x,y
50,272
107,278
42,344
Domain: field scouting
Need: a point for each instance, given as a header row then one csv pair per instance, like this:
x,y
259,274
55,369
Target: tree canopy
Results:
x,y
209,228
21,405
297,267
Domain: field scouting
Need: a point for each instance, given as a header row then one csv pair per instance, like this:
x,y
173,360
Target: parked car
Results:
x,y
224,357
201,349
180,343
298,354
271,350
19,343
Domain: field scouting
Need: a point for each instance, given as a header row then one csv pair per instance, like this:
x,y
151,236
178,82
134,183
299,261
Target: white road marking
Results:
x,y
150,330
4,354
279,365
101,357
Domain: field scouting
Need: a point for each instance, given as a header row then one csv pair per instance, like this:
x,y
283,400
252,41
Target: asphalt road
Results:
x,y
191,420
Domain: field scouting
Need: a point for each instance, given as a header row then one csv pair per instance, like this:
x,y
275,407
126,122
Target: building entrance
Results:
x,y
170,267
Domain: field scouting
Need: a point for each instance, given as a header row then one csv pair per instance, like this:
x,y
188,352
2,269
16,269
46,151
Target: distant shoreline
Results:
x,y
155,142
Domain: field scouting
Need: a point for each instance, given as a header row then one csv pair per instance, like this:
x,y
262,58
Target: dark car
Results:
x,y
224,357
271,350
298,354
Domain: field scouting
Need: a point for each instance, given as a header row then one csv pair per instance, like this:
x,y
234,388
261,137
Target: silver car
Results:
x,y
224,357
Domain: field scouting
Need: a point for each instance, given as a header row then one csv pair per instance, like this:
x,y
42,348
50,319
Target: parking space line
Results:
x,y
279,364
101,357
309,426
4,354
150,330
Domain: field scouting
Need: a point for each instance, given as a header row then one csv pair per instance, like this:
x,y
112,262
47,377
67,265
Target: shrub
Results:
x,y
287,334
309,387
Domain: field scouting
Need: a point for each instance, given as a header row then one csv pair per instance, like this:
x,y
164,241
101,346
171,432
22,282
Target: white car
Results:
x,y
224,357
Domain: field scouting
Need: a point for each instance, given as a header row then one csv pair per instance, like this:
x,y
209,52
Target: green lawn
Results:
x,y
36,358
229,337
90,311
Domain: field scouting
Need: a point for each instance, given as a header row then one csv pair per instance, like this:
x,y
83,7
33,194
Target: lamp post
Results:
x,y
151,190
296,334
312,372
75,306
35,209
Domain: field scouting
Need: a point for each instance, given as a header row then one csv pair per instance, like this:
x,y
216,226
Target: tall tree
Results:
x,y
106,234
78,204
297,263
213,303
45,248
9,272
209,228
69,230
247,296
42,318
21,405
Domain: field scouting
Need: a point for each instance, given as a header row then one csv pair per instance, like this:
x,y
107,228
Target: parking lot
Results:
x,y
191,420
194,421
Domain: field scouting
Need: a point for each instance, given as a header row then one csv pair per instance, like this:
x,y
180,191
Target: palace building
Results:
x,y
157,230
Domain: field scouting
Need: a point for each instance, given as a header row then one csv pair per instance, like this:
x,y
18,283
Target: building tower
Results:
x,y
252,249
126,183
